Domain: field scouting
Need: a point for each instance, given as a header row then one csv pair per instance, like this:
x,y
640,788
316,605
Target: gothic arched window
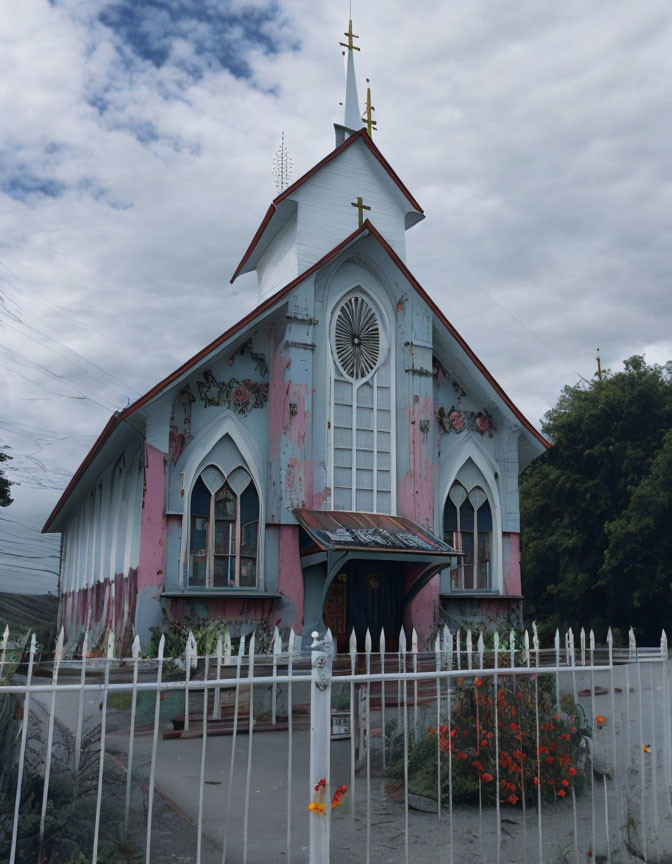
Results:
x,y
467,526
224,516
362,417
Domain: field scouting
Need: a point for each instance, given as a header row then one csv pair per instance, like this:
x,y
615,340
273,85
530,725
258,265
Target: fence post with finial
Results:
x,y
320,746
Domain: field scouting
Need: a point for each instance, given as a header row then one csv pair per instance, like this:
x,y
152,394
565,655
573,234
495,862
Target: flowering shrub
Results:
x,y
554,761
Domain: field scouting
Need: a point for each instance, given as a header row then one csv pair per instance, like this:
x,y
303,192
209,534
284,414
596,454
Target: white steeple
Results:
x,y
352,118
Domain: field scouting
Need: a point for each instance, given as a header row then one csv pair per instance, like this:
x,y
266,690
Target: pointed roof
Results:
x,y
352,119
267,228
366,229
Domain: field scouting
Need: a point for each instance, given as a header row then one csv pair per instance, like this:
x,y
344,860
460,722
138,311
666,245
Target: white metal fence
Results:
x,y
377,722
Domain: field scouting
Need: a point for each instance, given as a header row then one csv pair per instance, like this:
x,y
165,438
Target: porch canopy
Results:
x,y
335,537
332,530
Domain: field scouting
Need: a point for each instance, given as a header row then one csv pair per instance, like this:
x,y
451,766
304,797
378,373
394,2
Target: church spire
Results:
x,y
352,120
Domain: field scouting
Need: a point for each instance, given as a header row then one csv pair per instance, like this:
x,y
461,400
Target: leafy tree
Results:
x,y
596,509
5,498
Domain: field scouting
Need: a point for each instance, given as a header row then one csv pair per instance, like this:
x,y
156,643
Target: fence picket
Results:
x,y
277,649
101,762
437,660
3,648
201,779
80,709
135,653
367,649
402,663
58,656
381,646
353,726
290,732
248,780
22,749
155,742
234,735
217,695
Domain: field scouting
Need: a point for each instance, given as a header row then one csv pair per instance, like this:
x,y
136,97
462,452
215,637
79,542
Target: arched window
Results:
x,y
362,417
467,525
224,528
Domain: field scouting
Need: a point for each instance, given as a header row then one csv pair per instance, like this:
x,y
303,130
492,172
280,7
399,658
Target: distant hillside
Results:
x,y
34,611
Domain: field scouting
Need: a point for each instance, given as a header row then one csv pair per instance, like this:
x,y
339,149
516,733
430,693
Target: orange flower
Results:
x,y
600,720
460,681
565,783
572,771
316,807
338,795
478,682
513,799
561,793
536,781
549,759
486,778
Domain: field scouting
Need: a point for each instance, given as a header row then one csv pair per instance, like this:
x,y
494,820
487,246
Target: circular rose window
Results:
x,y
357,338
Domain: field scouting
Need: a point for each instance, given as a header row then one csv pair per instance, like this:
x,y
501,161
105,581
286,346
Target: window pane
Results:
x,y
449,519
198,550
468,549
225,537
200,499
485,518
248,572
467,517
225,570
225,504
248,539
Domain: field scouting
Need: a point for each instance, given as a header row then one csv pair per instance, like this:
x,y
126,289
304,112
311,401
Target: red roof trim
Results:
x,y
361,135
439,314
367,227
121,416
257,237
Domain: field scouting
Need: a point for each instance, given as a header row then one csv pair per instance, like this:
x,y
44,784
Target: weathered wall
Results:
x,y
99,608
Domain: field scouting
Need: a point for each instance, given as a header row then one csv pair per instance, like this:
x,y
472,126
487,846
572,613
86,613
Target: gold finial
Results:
x,y
369,122
350,44
361,207
601,373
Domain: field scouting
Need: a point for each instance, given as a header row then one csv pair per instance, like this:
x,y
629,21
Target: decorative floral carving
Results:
x,y
440,372
457,420
259,359
239,396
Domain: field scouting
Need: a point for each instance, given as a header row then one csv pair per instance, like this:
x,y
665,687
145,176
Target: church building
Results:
x,y
338,458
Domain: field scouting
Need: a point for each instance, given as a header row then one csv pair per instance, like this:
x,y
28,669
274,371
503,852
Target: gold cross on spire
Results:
x,y
369,122
361,207
350,44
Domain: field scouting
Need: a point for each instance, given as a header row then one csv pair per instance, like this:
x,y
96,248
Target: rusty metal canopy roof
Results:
x,y
370,532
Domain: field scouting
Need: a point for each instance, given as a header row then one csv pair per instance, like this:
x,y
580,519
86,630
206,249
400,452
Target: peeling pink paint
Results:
x,y
416,491
100,608
153,524
277,396
290,573
423,611
512,581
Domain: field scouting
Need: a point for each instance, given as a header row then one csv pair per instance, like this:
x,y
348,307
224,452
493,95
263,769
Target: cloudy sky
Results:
x,y
136,147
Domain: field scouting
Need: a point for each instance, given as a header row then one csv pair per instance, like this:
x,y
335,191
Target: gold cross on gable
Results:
x,y
361,207
350,44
